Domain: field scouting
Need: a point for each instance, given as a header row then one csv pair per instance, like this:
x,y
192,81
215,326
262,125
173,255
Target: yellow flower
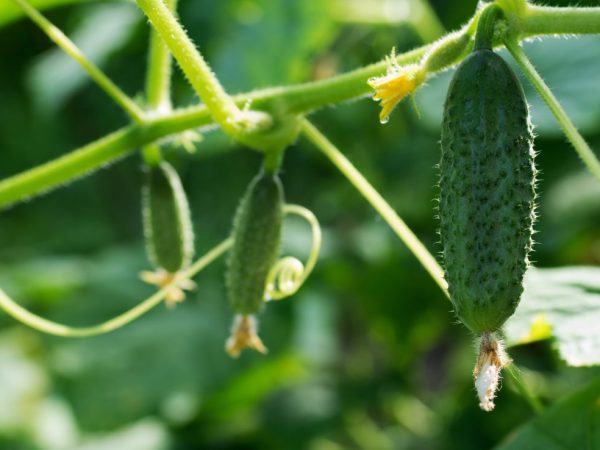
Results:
x,y
399,82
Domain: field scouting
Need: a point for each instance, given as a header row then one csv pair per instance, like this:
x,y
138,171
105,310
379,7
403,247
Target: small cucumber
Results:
x,y
487,190
166,216
257,236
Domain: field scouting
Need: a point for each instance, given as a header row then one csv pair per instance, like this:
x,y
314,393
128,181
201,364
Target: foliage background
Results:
x,y
367,355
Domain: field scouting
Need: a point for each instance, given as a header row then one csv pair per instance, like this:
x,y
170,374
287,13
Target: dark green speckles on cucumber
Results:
x,y
486,191
167,223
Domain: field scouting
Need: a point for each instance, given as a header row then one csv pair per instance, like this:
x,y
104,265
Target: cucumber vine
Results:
x,y
271,119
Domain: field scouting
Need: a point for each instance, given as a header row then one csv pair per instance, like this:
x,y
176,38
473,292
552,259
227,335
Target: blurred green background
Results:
x,y
367,355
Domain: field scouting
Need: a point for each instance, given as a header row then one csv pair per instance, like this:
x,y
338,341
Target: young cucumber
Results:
x,y
257,236
167,223
487,181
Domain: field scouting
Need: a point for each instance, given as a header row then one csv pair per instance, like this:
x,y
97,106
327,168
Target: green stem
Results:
x,y
306,97
71,49
544,20
579,143
272,161
26,317
484,37
68,167
152,154
222,107
294,99
378,203
158,75
523,389
158,85
298,98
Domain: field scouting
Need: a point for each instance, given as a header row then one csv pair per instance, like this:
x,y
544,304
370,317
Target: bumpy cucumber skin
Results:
x,y
487,191
167,222
257,237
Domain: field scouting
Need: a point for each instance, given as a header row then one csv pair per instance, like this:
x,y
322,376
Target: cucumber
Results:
x,y
257,237
487,191
166,217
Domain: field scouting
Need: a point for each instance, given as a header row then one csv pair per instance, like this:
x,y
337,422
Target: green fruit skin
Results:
x,y
167,222
257,237
487,191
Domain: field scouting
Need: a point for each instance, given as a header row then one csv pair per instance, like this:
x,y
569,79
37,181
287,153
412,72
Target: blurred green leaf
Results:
x,y
382,12
46,279
248,388
576,196
305,29
573,423
10,12
563,303
147,434
570,68
23,381
54,77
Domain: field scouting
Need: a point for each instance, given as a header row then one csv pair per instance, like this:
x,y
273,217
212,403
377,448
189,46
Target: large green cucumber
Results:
x,y
487,182
257,237
167,223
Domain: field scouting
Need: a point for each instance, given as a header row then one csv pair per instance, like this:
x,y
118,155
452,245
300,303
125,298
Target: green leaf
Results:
x,y
564,304
9,11
576,196
569,67
102,32
573,423
249,47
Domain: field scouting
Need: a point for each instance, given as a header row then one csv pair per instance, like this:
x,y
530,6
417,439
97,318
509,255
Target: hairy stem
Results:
x,y
158,75
295,99
579,143
378,203
299,98
486,25
221,106
541,20
158,85
60,39
68,167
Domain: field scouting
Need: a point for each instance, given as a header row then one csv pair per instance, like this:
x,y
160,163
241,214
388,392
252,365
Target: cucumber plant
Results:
x,y
486,185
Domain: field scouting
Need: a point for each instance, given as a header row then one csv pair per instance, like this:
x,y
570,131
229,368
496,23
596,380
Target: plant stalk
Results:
x,y
581,146
378,203
105,83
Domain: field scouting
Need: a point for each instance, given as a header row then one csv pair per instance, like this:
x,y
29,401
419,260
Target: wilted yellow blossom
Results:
x,y
399,82
243,335
492,358
162,279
